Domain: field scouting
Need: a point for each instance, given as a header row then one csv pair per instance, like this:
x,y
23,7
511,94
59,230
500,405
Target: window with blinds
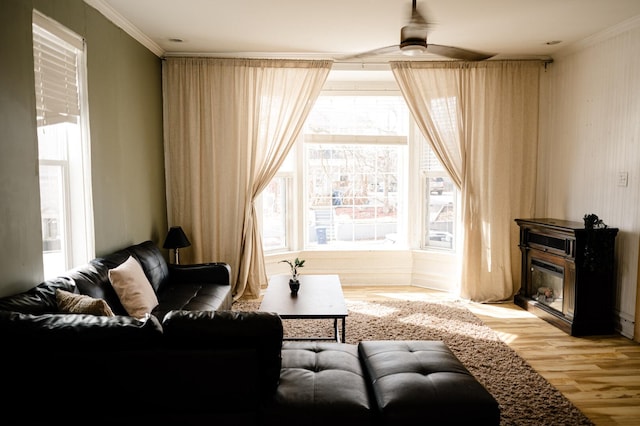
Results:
x,y
56,74
63,146
440,194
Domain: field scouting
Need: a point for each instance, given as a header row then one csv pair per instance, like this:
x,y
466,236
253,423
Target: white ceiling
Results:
x,y
334,28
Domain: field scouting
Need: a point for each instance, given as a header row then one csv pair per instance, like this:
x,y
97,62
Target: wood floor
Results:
x,y
600,375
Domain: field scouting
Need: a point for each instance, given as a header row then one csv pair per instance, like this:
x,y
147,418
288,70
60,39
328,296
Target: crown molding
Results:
x,y
120,21
606,34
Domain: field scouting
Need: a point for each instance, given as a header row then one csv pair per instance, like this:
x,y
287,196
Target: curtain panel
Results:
x,y
229,124
481,119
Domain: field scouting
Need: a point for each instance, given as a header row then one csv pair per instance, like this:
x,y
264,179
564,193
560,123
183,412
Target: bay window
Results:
x,y
351,183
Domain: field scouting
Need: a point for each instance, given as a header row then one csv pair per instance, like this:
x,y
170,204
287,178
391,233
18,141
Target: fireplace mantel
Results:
x,y
568,276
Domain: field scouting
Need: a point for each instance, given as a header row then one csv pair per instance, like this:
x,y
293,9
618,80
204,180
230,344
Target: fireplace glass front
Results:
x,y
546,283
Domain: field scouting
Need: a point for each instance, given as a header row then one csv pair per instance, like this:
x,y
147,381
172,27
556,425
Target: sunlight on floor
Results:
x,y
417,297
485,311
507,337
462,328
498,310
372,309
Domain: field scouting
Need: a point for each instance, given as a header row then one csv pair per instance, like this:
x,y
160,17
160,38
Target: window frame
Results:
x,y
54,45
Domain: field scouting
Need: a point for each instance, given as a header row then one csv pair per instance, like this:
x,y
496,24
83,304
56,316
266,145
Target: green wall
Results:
x,y
125,111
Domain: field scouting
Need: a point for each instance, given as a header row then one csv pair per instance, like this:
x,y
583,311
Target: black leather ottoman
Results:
x,y
321,383
422,382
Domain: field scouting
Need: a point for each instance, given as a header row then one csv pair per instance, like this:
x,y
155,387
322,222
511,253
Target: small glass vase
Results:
x,y
294,285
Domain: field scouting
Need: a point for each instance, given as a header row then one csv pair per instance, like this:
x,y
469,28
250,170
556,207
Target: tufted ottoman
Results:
x,y
422,382
321,383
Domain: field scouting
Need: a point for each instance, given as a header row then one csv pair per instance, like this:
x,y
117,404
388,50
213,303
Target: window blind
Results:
x,y
55,70
442,110
428,160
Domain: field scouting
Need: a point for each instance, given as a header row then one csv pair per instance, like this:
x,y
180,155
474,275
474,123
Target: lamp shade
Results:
x,y
176,238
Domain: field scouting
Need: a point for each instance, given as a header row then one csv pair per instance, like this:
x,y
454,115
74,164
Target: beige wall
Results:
x,y
590,131
125,109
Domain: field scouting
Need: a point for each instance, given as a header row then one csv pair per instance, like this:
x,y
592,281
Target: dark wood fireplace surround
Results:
x,y
581,262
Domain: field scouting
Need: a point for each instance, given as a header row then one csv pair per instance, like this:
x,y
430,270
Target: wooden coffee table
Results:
x,y
319,297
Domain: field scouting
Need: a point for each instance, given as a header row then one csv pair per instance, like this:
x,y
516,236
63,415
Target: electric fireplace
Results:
x,y
547,283
568,275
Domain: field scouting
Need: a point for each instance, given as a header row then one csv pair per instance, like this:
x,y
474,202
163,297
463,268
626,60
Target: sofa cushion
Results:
x,y
92,279
416,380
153,263
133,288
256,332
320,384
192,296
81,304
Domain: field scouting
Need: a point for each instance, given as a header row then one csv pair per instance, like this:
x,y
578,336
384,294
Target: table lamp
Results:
x,y
176,239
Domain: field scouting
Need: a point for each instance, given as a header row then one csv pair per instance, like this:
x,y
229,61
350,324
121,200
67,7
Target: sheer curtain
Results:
x,y
229,124
481,119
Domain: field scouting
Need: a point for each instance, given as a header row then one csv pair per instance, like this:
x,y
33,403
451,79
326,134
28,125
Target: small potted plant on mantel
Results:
x,y
597,249
294,283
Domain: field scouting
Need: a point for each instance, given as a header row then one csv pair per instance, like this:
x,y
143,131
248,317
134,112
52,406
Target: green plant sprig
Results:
x,y
295,264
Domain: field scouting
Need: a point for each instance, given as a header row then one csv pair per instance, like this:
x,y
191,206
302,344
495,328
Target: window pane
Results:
x,y
358,115
52,202
352,194
354,150
440,217
274,214
439,200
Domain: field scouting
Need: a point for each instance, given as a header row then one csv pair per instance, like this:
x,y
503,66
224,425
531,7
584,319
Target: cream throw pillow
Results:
x,y
73,303
133,288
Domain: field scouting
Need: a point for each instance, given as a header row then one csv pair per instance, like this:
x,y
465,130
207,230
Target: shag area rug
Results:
x,y
524,396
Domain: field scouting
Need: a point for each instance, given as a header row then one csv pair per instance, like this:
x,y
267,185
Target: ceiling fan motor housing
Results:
x,y
411,47
413,40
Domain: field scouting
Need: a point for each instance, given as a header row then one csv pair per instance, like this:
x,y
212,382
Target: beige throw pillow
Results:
x,y
81,304
133,288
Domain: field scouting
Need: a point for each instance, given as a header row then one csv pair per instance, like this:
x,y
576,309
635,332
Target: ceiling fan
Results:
x,y
413,42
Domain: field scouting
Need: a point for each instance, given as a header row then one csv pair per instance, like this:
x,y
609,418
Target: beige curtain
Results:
x,y
481,119
229,124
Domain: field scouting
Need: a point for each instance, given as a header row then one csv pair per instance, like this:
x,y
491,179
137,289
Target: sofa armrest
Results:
x,y
216,272
40,299
258,333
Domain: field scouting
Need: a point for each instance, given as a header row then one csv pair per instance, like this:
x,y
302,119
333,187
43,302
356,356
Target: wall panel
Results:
x,y
590,132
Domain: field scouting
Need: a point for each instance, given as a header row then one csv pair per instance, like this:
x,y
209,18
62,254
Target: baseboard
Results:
x,y
624,326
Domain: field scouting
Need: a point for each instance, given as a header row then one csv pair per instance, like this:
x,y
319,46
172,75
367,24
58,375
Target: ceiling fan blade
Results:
x,y
380,51
458,53
416,17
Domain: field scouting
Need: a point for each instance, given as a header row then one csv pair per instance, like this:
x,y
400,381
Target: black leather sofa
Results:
x,y
202,287
194,361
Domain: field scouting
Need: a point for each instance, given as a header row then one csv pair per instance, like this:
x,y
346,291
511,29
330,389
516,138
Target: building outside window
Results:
x,y
352,193
63,146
